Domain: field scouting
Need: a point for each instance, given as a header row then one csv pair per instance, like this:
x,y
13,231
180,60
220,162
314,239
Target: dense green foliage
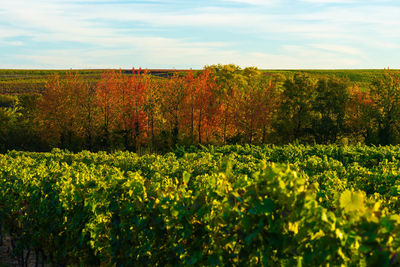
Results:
x,y
17,124
230,205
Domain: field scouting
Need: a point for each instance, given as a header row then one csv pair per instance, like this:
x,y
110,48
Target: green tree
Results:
x,y
332,95
173,93
386,94
360,122
294,121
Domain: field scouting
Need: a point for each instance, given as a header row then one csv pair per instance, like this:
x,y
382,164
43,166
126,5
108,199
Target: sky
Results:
x,y
181,34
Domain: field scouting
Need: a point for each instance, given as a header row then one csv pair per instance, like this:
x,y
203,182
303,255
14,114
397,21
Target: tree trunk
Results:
x,y
199,125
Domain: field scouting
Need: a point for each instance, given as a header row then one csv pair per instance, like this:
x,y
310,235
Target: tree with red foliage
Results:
x,y
190,103
135,117
206,106
107,101
200,106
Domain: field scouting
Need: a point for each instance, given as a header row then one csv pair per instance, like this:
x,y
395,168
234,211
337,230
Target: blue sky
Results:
x,y
268,34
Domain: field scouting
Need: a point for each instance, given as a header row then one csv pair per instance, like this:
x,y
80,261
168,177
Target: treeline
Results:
x,y
222,104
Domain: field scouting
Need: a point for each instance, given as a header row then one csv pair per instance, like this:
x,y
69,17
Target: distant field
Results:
x,y
33,81
361,77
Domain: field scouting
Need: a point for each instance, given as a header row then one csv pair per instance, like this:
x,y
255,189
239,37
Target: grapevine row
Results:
x,y
230,205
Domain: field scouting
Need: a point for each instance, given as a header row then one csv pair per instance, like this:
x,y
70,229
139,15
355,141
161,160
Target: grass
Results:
x,y
14,81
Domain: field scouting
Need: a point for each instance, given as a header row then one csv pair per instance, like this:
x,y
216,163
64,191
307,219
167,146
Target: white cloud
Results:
x,y
343,49
136,31
331,1
181,55
254,2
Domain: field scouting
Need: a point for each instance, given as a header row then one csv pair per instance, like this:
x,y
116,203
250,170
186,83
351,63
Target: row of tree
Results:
x,y
218,105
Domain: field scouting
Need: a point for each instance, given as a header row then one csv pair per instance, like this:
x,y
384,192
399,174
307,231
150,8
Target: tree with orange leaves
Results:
x,y
228,78
206,106
254,105
63,110
121,99
200,107
107,101
190,104
134,116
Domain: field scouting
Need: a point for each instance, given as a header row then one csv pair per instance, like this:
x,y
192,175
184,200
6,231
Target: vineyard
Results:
x,y
291,205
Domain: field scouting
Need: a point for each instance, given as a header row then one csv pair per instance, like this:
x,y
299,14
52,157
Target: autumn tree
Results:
x,y
139,84
254,105
152,109
228,78
360,114
206,105
190,104
60,109
107,102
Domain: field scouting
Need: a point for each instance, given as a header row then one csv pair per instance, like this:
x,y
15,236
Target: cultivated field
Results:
x,y
229,205
29,81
